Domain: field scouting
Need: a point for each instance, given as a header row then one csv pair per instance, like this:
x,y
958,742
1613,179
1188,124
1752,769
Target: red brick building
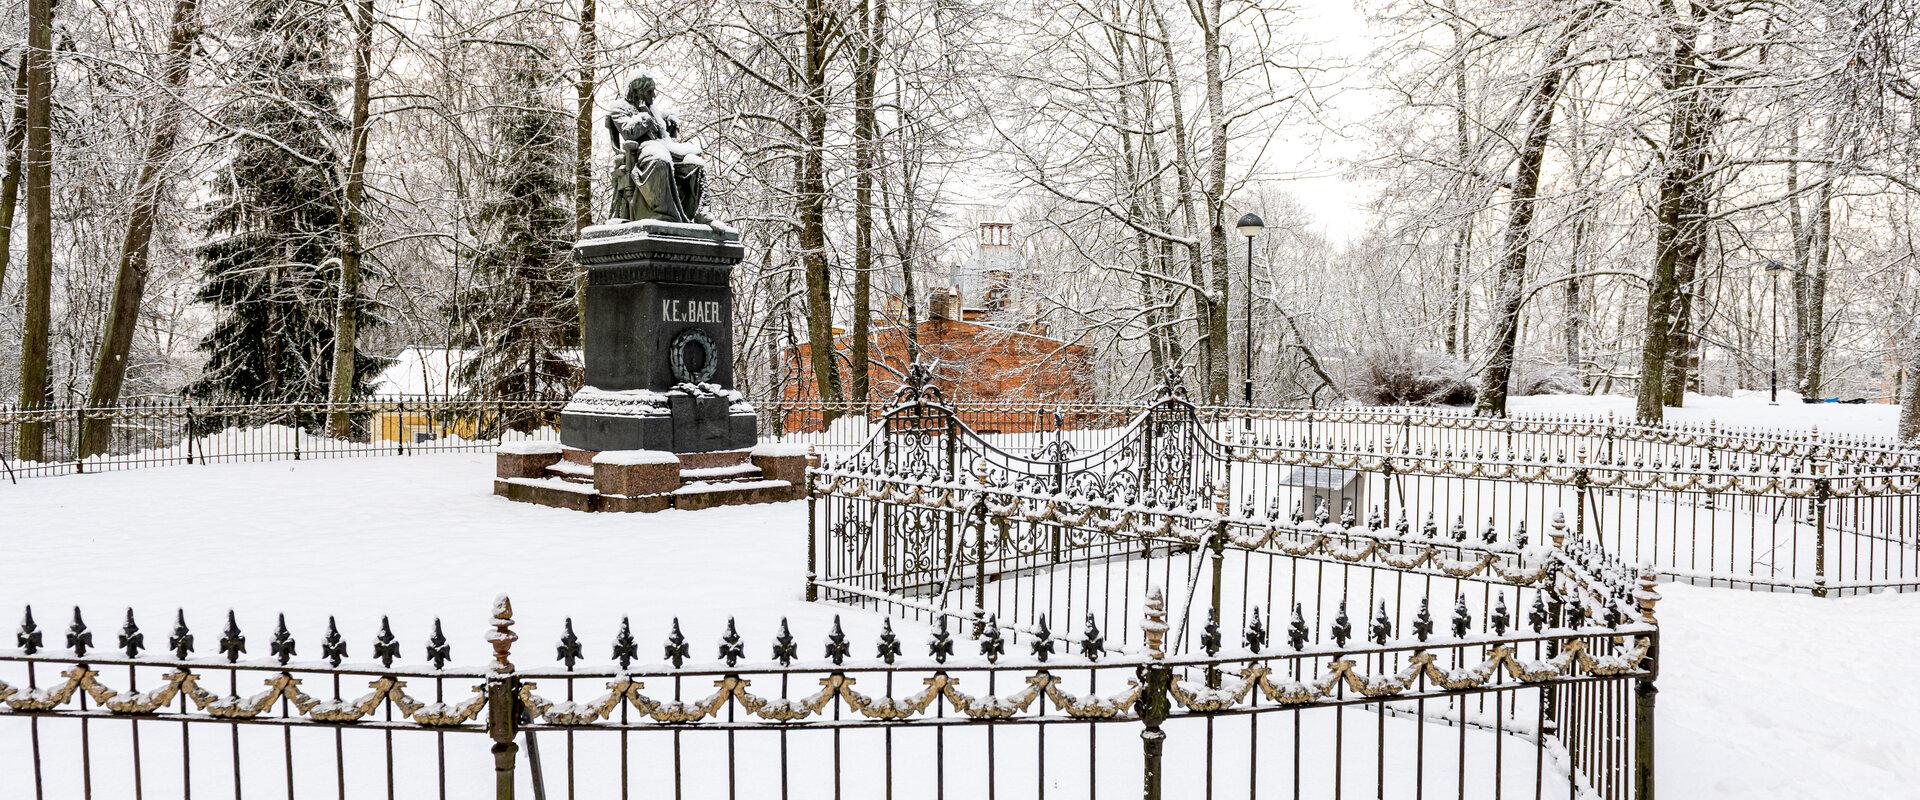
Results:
x,y
998,352
972,360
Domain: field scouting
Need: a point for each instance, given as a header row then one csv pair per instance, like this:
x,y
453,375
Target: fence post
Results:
x,y
296,431
1149,431
1580,482
1222,505
1549,697
1059,482
1822,492
813,522
189,433
1644,695
980,558
503,703
401,426
1386,483
1154,703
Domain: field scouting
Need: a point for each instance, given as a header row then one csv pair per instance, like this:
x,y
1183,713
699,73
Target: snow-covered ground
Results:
x,y
1745,410
1787,696
1761,695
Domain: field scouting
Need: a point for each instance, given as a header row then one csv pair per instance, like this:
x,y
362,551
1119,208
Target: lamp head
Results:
x,y
1250,225
1774,265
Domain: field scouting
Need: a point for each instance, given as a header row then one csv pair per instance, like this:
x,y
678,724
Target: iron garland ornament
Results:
x,y
709,356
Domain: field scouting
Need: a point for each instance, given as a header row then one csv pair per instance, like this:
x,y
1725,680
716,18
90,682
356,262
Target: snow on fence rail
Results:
x,y
926,711
150,433
163,433
1775,511
933,522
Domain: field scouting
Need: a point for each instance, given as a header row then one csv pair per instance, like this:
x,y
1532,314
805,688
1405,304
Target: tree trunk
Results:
x,y
1910,393
1678,211
346,314
583,146
1526,189
1463,151
1139,168
1575,309
10,183
1184,180
907,301
1811,335
1796,279
812,208
866,134
1214,190
130,284
38,162
1686,277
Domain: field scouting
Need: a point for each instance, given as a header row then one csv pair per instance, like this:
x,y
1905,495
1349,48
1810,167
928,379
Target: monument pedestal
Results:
x,y
657,424
659,341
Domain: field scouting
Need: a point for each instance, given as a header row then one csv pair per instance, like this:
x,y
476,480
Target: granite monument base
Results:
x,y
549,474
680,423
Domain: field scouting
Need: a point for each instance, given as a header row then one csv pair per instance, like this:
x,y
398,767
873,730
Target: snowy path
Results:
x,y
1785,696
1761,695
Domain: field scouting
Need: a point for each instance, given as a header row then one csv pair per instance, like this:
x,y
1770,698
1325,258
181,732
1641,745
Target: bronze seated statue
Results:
x,y
655,175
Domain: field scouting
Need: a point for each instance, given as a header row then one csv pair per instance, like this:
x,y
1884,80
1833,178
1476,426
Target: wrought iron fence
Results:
x,y
997,713
1805,514
932,521
1708,504
162,432
170,432
1132,617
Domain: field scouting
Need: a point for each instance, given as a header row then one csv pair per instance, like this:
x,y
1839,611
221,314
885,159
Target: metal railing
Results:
x,y
1000,713
1707,504
165,433
932,521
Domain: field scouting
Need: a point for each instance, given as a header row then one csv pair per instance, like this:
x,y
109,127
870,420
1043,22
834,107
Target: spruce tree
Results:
x,y
271,258
518,312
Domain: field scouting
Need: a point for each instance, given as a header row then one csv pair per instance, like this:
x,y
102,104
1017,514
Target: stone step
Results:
x,y
570,471
731,472
712,494
575,472
704,494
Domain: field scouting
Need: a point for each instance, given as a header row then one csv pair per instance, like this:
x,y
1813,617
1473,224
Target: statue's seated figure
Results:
x,y
655,175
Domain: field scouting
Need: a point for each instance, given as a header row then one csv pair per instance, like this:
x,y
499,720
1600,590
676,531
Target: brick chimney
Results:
x,y
941,305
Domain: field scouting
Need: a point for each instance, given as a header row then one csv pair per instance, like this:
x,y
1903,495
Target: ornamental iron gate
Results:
x,y
932,522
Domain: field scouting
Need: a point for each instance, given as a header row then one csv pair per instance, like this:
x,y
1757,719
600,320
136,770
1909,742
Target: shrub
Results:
x,y
1395,376
1540,377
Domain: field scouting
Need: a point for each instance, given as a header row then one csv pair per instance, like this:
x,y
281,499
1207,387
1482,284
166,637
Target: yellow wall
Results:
x,y
395,426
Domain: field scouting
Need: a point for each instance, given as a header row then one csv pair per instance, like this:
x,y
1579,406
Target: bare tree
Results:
x,y
130,283
346,315
871,36
37,158
1538,106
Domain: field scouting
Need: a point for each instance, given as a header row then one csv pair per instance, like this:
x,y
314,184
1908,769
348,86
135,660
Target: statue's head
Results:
x,y
640,91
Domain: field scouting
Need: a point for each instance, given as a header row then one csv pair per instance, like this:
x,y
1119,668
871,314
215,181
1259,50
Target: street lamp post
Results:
x,y
1249,226
1774,268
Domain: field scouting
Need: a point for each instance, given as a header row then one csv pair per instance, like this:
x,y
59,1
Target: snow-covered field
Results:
x,y
1745,410
1761,695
